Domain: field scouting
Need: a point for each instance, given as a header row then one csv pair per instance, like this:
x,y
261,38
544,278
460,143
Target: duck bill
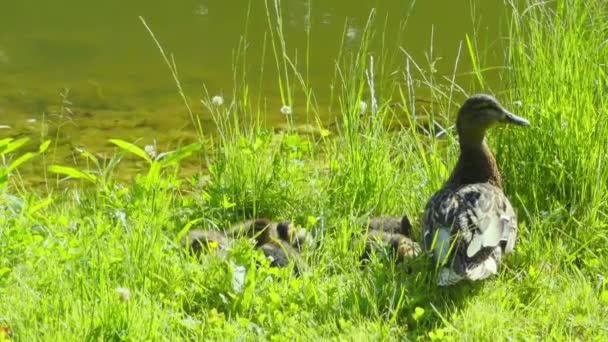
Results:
x,y
514,119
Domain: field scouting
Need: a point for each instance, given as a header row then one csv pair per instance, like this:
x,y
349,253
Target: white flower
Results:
x,y
286,110
217,100
362,107
238,278
201,10
352,32
191,321
150,150
124,294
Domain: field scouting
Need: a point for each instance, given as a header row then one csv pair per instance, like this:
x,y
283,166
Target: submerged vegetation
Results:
x,y
101,259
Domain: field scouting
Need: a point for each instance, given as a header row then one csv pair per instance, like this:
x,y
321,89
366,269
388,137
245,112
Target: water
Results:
x,y
82,72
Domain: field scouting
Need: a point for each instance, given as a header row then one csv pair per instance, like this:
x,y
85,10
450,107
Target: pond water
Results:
x,y
82,72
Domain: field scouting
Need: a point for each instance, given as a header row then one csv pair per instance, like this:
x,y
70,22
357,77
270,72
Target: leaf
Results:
x,y
15,145
136,150
226,204
39,205
22,159
474,61
90,157
44,146
5,141
72,172
179,154
418,313
186,229
311,220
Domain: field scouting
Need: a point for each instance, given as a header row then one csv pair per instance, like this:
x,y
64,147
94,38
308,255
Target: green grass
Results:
x,y
65,255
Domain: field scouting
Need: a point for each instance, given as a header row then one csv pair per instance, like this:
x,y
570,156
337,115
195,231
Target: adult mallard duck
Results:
x,y
469,223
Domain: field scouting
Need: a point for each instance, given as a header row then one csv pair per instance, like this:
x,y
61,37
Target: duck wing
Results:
x,y
470,222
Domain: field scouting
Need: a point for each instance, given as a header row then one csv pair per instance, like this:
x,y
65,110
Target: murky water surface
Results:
x,y
82,72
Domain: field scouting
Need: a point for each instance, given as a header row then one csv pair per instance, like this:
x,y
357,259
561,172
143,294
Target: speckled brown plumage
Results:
x,y
469,223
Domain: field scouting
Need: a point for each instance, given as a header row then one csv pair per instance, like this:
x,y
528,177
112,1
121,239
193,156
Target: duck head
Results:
x,y
481,112
298,238
261,229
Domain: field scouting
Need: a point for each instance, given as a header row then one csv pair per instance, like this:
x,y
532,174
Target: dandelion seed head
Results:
x,y
286,110
124,294
352,32
217,100
362,107
201,10
150,150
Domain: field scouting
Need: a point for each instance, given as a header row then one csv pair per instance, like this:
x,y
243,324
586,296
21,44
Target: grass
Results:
x,y
100,260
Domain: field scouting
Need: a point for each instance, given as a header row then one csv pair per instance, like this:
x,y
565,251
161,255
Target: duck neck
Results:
x,y
476,164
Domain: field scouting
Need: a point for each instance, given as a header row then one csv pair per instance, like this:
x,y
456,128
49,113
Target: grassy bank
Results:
x,y
101,260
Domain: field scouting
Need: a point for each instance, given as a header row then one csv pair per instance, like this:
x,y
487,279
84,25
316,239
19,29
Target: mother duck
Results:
x,y
469,223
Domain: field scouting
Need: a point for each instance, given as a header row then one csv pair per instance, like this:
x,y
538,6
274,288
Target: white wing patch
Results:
x,y
483,270
491,232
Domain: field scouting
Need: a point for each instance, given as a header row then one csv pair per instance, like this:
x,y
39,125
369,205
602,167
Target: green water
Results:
x,y
85,71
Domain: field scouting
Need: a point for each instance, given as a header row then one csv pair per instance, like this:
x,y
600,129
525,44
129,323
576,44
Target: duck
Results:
x,y
298,238
283,230
280,241
261,230
389,231
199,241
469,224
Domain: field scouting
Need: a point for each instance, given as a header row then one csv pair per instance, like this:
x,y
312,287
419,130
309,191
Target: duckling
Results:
x,y
391,224
275,241
394,232
470,223
261,230
281,253
283,230
297,238
198,241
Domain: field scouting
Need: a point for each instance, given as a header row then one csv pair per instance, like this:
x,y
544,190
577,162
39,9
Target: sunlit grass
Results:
x,y
102,261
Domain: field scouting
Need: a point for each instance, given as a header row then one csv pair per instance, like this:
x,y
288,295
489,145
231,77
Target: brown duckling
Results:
x,y
393,232
470,223
278,241
283,230
199,241
391,224
281,253
261,230
297,238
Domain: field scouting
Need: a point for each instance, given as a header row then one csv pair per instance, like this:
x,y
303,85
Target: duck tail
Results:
x,y
483,270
